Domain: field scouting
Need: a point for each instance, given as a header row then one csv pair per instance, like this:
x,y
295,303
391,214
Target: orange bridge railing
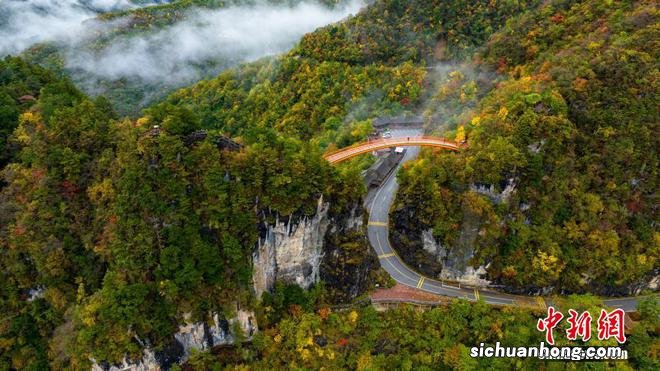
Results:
x,y
374,145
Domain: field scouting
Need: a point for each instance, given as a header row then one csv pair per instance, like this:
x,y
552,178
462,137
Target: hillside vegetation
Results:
x,y
573,124
119,224
409,339
112,229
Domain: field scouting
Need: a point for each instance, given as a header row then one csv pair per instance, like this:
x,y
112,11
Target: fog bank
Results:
x,y
27,22
232,35
172,55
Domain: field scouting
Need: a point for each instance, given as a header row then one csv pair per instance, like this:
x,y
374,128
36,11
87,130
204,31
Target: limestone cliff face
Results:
x,y
454,259
203,336
331,248
291,252
456,265
418,247
349,265
431,246
148,362
414,242
191,336
496,197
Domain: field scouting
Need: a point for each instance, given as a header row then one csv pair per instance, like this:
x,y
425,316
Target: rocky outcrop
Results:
x,y
455,266
496,197
291,251
418,247
148,362
191,336
36,293
431,246
414,242
332,248
203,335
468,276
349,264
456,261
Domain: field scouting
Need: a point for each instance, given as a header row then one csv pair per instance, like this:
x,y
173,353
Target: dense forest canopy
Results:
x,y
409,339
113,229
130,223
573,124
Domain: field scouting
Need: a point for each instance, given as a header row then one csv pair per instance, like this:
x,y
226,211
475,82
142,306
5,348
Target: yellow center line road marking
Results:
x,y
421,282
380,224
476,294
390,261
386,255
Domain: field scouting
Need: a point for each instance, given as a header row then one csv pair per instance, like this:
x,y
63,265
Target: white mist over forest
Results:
x,y
27,22
172,55
232,34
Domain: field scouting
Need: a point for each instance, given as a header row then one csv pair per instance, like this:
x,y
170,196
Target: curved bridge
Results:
x,y
373,145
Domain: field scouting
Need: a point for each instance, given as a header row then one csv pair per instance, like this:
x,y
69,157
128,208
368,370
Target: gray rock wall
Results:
x,y
191,336
291,252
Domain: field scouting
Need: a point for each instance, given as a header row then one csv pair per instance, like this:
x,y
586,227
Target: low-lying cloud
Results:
x,y
232,35
171,55
26,22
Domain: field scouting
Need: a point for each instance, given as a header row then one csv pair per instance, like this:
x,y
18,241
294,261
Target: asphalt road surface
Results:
x,y
378,203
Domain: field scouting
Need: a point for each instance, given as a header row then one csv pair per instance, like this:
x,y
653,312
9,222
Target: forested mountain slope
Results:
x,y
114,224
434,339
113,231
573,125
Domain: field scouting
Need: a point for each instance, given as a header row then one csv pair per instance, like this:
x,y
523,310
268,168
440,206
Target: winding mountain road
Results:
x,y
378,203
